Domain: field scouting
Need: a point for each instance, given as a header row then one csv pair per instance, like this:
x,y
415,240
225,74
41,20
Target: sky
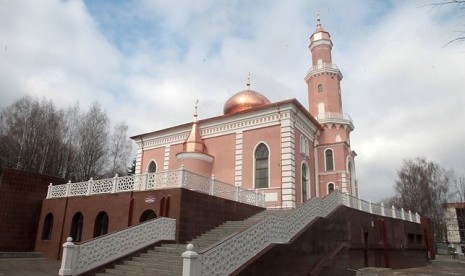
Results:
x,y
146,62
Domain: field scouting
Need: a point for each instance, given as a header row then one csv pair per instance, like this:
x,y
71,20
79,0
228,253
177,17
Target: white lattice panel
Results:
x,y
58,191
224,190
102,186
126,184
197,182
78,189
110,247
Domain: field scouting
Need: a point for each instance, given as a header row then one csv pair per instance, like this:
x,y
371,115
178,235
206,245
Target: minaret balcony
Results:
x,y
335,118
323,68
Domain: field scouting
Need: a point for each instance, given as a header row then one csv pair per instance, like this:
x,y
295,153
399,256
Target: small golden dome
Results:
x,y
244,100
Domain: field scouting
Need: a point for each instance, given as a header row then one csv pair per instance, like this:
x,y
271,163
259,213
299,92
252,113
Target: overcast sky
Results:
x,y
147,61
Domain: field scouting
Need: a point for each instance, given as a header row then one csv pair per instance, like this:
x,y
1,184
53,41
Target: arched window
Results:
x,y
329,160
147,215
47,228
261,166
76,227
305,179
320,88
101,224
152,167
330,187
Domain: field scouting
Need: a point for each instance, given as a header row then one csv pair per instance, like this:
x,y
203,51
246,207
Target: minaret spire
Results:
x,y
194,142
195,110
248,82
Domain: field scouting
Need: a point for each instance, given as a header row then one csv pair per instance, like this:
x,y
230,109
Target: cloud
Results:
x,y
146,62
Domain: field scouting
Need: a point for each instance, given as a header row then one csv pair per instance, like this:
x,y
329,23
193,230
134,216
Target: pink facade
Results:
x,y
289,152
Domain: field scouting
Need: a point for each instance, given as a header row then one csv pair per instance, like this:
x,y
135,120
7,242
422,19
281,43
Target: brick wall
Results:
x,y
336,246
194,212
21,194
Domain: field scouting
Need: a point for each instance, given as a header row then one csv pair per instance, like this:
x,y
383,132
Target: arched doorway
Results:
x,y
147,215
101,224
76,227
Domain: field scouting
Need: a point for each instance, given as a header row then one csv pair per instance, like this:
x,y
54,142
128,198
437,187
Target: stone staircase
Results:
x,y
166,259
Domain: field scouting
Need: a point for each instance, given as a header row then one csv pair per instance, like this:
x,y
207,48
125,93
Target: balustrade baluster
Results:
x,y
49,190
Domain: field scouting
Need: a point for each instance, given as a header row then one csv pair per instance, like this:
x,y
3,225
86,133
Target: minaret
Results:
x,y
194,156
335,157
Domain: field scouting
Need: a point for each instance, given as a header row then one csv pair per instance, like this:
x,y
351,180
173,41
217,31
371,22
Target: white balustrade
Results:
x,y
180,178
226,256
80,258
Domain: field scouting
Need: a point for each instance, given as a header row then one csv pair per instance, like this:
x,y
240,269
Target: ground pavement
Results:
x,y
39,266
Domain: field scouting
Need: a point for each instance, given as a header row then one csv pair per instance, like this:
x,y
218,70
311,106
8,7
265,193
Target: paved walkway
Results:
x,y
28,267
44,267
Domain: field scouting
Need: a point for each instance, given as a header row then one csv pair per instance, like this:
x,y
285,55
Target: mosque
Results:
x,y
285,150
228,170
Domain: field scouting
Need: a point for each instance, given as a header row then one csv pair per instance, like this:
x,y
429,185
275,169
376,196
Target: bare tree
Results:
x,y
458,189
119,149
422,187
92,139
30,134
459,7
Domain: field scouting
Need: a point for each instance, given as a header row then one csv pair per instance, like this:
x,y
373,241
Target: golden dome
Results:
x,y
244,100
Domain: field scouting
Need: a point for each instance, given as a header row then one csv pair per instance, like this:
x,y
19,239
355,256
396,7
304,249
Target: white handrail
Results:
x,y
80,258
179,178
228,255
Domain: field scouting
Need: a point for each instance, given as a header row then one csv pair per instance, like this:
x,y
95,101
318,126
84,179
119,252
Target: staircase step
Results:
x,y
165,260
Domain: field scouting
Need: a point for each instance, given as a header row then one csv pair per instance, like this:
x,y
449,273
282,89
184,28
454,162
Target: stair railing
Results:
x,y
83,257
228,255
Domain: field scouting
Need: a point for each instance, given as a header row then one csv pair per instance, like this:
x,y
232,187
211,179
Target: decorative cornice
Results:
x,y
195,155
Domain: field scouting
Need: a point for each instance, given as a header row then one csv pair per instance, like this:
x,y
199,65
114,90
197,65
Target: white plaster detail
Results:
x,y
166,159
271,197
195,155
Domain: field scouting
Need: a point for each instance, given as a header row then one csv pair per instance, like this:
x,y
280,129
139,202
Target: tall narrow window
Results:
x,y
101,224
304,182
47,228
76,227
330,188
152,167
162,207
329,158
261,166
320,88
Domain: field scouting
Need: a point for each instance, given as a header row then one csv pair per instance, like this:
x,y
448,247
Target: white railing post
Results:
x,y
402,213
89,188
68,258
181,177
146,181
68,188
383,212
115,184
91,184
212,185
189,262
237,194
410,215
394,212
359,203
370,208
49,190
